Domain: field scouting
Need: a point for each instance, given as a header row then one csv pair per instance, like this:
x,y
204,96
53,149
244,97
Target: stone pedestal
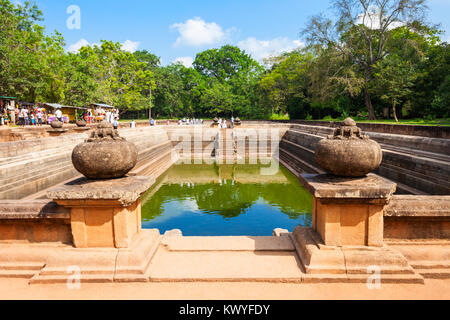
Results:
x,y
81,129
346,239
103,213
349,211
109,245
56,132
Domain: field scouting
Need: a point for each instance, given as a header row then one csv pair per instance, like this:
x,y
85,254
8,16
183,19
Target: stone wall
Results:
x,y
405,218
417,217
34,222
442,132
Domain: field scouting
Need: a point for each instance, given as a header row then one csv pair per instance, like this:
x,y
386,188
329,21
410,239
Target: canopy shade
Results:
x,y
102,105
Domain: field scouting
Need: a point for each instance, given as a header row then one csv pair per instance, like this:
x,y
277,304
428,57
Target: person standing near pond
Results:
x,y
152,122
116,124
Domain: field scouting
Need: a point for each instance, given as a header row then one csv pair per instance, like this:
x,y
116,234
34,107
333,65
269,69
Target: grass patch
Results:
x,y
418,121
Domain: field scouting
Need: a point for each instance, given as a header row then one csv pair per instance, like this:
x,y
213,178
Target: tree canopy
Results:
x,y
372,57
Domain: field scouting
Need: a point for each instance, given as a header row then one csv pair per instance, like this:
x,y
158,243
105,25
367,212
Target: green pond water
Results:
x,y
226,200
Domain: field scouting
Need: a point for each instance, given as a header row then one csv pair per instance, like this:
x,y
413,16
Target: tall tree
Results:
x,y
362,32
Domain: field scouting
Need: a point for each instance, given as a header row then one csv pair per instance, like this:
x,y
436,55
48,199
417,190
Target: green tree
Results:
x,y
362,33
395,79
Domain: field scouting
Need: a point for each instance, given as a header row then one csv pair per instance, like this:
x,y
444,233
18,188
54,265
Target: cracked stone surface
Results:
x,y
125,190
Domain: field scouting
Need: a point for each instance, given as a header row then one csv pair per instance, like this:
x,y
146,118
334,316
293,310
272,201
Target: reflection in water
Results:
x,y
226,200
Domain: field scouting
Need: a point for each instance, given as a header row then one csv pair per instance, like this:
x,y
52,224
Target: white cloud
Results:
x,y
78,45
372,20
262,49
185,61
130,46
197,32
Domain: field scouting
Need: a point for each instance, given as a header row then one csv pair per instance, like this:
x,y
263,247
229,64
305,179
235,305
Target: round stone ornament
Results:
x,y
105,155
348,153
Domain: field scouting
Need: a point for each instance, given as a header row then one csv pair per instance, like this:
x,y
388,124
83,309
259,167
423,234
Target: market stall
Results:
x,y
7,110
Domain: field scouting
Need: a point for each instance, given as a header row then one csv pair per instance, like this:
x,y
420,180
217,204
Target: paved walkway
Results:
x,y
19,289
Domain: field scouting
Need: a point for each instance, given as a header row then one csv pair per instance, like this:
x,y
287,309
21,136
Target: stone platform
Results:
x,y
173,258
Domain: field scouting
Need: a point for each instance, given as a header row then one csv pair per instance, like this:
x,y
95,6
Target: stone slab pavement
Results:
x,y
15,289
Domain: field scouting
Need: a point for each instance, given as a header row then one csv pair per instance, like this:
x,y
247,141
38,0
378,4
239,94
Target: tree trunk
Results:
x,y
369,104
394,110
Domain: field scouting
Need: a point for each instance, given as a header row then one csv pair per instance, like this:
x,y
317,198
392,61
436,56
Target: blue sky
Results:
x,y
178,29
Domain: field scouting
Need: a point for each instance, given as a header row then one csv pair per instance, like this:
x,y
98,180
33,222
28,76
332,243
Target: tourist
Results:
x,y
25,116
32,120
224,124
108,116
39,117
168,122
116,124
152,122
21,119
58,115
133,124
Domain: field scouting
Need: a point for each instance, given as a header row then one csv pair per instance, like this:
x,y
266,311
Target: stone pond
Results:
x,y
198,197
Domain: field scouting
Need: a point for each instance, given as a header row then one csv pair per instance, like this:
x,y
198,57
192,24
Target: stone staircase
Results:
x,y
32,166
418,165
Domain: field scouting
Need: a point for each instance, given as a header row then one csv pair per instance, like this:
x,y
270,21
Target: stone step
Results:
x,y
34,155
35,175
25,171
25,266
427,169
23,190
19,274
443,273
61,279
409,179
413,178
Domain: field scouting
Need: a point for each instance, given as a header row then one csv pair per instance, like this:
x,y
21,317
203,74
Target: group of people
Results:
x,y
31,116
191,122
22,115
223,124
111,116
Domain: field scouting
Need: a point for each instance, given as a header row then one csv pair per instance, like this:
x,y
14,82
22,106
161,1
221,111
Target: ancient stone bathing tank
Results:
x,y
105,155
349,152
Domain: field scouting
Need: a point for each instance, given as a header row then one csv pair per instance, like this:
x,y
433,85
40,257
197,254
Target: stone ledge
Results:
x,y
125,191
32,210
419,206
370,189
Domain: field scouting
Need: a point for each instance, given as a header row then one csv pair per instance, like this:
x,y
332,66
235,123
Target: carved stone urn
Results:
x,y
56,124
105,155
81,123
349,153
237,122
